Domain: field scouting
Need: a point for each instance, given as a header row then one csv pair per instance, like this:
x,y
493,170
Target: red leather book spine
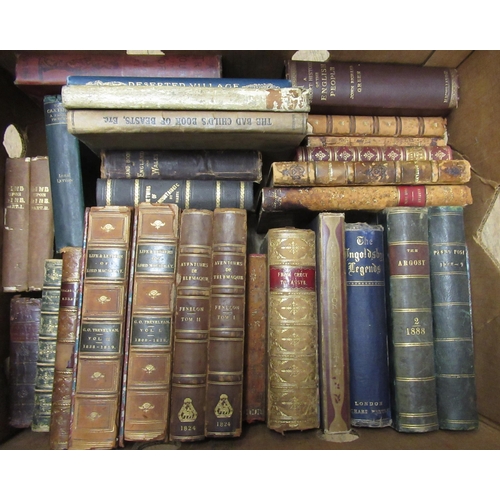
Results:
x,y
38,68
255,367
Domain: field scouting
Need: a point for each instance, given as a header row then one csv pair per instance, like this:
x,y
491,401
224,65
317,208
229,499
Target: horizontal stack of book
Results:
x,y
325,289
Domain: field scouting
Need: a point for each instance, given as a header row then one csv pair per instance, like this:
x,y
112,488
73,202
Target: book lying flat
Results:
x,y
173,129
290,99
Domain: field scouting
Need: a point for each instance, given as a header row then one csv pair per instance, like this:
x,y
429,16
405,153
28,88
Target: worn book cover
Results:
x,y
96,398
378,172
64,363
24,327
255,363
367,325
452,320
147,367
192,323
187,129
182,165
225,364
293,401
284,99
411,340
47,340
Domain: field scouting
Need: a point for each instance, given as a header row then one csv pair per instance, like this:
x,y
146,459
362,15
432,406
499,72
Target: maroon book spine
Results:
x,y
39,68
25,315
376,89
255,363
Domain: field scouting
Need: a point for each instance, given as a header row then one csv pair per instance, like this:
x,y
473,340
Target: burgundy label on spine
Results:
x,y
288,277
69,294
411,196
409,259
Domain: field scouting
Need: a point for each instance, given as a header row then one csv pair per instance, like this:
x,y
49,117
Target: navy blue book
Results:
x,y
367,326
65,176
452,317
179,82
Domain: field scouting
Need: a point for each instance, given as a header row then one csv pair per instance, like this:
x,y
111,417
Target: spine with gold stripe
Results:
x,y
410,317
452,314
200,194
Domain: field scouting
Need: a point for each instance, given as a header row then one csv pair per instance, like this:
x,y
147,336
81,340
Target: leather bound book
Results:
x,y
206,194
342,198
16,225
65,176
452,315
327,141
255,363
41,225
148,342
379,172
96,399
47,340
39,73
192,321
65,345
411,346
172,164
374,153
376,126
293,381
224,397
24,328
332,326
353,88
367,325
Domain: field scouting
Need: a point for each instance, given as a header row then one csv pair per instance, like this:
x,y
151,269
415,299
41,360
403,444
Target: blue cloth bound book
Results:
x,y
179,82
367,326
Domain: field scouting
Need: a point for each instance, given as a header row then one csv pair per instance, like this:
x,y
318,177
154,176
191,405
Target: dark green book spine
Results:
x,y
65,176
452,316
47,340
410,315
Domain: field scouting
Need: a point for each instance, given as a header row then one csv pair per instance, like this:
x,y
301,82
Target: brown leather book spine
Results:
x,y
332,323
38,68
65,345
47,340
224,400
293,381
332,198
379,141
148,342
366,126
192,322
16,225
255,365
381,172
97,393
41,222
354,88
374,153
24,328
